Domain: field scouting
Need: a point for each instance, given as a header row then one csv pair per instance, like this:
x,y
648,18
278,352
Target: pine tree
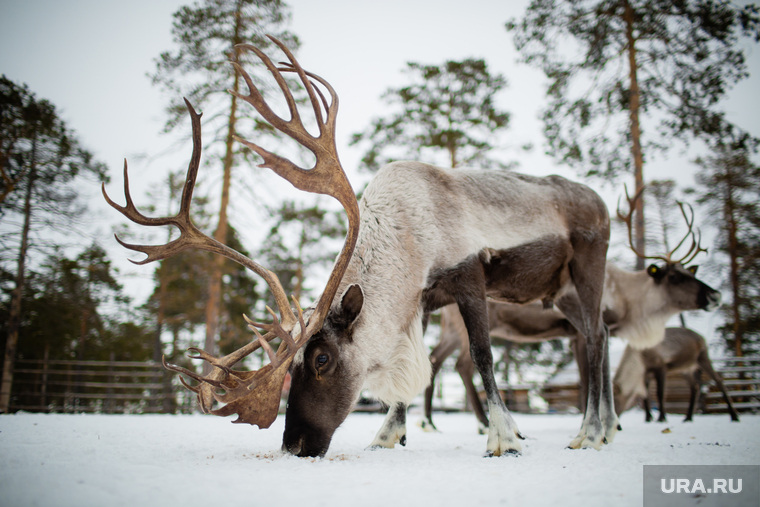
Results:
x,y
447,108
206,35
630,76
41,157
729,184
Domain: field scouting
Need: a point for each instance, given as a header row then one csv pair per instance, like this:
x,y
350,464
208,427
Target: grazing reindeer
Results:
x,y
636,306
682,350
421,238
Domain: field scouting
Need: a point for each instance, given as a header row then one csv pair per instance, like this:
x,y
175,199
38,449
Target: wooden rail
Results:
x,y
47,385
741,376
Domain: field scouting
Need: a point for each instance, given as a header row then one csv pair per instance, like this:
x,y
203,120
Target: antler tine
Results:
x,y
294,66
696,248
191,374
130,210
321,178
327,176
264,343
696,239
294,126
190,236
689,233
288,67
628,218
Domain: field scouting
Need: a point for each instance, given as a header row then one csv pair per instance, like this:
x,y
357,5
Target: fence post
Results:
x,y
108,406
43,388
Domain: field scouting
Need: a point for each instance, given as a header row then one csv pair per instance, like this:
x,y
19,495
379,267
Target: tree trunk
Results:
x,y
14,317
158,347
213,304
9,184
638,159
730,215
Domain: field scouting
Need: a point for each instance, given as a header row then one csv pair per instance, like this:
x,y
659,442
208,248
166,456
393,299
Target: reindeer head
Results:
x,y
324,384
683,290
313,337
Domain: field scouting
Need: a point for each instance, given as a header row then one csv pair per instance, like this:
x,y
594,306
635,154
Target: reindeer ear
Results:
x,y
692,270
350,306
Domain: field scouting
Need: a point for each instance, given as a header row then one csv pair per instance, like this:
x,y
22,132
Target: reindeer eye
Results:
x,y
321,360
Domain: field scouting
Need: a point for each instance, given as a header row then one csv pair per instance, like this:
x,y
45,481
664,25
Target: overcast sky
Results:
x,y
90,59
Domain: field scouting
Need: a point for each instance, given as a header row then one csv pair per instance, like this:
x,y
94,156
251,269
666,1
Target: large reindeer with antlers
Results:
x,y
422,237
636,306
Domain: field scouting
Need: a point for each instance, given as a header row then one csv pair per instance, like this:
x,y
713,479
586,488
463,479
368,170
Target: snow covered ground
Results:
x,y
189,460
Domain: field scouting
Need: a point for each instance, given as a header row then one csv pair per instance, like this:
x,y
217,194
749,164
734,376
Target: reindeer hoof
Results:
x,y
427,425
509,452
585,442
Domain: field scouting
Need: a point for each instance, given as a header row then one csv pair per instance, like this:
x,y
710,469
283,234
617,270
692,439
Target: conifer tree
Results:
x,y
631,76
40,158
206,34
446,109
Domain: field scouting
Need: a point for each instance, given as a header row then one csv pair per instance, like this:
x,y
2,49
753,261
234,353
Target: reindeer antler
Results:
x,y
695,247
255,395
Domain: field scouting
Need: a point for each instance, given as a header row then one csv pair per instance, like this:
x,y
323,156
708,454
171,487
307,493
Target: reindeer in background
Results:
x,y
636,306
683,351
421,238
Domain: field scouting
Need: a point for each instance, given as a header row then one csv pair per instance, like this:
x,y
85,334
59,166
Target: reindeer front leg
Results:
x,y
502,430
393,429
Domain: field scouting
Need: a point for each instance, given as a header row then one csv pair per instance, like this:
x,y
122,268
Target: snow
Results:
x,y
145,460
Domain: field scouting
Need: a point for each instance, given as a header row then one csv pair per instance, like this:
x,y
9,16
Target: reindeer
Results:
x,y
422,237
682,350
636,306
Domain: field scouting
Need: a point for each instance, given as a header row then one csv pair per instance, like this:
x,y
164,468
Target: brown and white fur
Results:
x,y
682,350
431,237
636,306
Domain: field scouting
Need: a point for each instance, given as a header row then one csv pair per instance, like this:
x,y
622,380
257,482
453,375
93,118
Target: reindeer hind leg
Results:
x,y
659,377
705,364
600,423
466,368
439,354
695,385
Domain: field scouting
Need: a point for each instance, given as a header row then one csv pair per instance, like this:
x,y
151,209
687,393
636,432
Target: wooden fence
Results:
x,y
118,387
741,377
97,387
